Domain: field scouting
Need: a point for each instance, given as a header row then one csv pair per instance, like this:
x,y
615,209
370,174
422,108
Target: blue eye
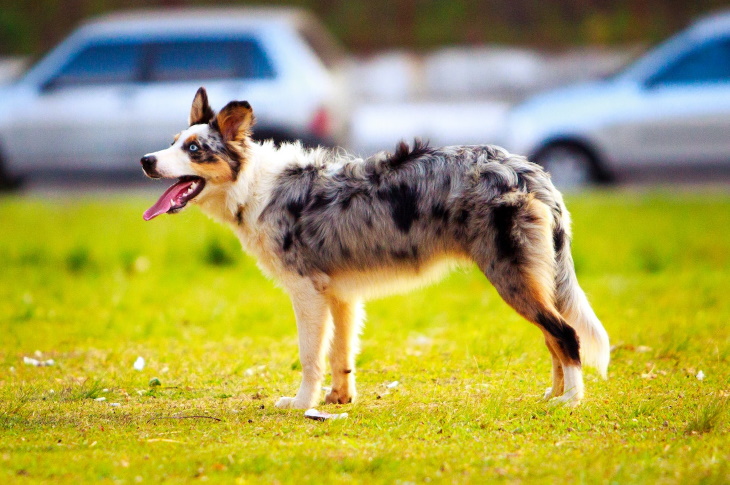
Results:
x,y
193,148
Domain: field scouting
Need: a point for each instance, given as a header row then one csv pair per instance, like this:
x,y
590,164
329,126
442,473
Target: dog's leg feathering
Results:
x,y
314,328
574,306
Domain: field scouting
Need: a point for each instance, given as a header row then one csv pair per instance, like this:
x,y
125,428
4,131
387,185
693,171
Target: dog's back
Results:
x,y
397,209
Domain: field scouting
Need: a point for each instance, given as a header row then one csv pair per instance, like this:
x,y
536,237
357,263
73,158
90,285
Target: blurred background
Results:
x,y
598,92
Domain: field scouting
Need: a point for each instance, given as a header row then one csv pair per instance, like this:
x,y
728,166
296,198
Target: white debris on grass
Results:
x,y
700,375
114,404
139,363
38,363
393,385
420,340
254,370
141,264
322,416
100,399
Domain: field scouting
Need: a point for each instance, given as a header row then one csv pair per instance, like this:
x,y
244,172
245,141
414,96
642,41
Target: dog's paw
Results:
x,y
338,397
569,399
550,393
285,403
291,403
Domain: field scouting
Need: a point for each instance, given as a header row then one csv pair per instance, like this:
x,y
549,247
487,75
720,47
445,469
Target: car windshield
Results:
x,y
707,63
182,60
655,58
105,62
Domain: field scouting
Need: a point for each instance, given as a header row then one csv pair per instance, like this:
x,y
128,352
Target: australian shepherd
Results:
x,y
335,230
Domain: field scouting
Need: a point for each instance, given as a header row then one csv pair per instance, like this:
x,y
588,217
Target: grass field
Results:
x,y
89,284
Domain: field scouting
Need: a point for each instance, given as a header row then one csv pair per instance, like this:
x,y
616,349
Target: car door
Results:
x,y
229,68
78,117
682,115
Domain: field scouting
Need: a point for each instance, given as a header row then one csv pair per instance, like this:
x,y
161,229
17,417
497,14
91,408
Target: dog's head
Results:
x,y
209,154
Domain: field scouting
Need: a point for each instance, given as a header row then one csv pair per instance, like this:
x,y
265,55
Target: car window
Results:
x,y
101,64
709,63
185,60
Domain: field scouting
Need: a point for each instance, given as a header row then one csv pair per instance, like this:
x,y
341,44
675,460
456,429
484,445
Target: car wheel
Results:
x,y
8,182
570,166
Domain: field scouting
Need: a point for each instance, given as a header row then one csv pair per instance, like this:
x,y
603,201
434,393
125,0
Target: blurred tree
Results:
x,y
30,27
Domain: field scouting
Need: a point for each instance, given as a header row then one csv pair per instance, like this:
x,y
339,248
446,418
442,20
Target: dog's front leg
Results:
x,y
314,328
347,317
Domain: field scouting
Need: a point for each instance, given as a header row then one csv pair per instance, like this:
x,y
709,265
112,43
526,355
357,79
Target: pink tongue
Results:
x,y
166,200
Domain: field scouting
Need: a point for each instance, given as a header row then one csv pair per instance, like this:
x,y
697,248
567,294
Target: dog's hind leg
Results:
x,y
347,317
560,338
558,378
517,255
314,327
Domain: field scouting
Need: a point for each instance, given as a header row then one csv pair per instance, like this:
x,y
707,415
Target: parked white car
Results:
x,y
670,110
121,85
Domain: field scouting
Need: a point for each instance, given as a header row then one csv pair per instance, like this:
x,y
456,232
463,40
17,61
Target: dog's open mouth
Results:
x,y
176,197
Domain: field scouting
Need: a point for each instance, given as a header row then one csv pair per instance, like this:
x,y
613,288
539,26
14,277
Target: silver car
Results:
x,y
668,111
121,85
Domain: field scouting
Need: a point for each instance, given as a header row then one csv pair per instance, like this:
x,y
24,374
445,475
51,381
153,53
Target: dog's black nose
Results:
x,y
149,163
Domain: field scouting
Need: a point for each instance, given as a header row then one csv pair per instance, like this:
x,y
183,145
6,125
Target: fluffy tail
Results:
x,y
572,303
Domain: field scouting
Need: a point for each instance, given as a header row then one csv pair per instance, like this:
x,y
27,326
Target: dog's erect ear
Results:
x,y
201,111
235,120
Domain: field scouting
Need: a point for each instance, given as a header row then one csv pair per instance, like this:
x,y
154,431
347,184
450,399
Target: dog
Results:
x,y
335,230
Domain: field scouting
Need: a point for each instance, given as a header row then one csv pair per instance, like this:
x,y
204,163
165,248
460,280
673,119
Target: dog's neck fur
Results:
x,y
241,202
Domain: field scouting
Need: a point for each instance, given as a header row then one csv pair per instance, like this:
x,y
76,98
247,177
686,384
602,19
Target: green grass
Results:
x,y
88,283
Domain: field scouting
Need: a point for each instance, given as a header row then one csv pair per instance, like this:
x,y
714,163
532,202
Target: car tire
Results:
x,y
571,166
8,182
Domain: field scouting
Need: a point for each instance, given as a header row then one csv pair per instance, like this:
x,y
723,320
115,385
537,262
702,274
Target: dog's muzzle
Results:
x,y
149,165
